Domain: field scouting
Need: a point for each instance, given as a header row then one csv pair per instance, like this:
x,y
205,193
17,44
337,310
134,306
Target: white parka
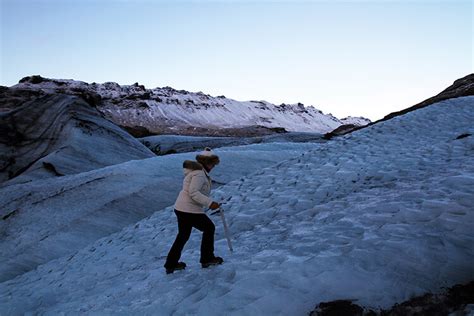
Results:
x,y
196,189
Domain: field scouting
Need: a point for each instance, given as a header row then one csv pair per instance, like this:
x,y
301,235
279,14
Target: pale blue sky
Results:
x,y
344,57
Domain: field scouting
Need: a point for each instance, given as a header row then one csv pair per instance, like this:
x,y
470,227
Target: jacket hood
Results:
x,y
190,166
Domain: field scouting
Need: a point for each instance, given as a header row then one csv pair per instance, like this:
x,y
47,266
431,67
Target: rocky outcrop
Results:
x,y
453,301
44,135
138,131
341,130
338,308
13,98
460,88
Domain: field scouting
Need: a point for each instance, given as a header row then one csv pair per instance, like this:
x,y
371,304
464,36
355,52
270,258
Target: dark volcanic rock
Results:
x,y
33,79
51,135
93,99
337,308
341,130
463,136
453,300
138,131
12,98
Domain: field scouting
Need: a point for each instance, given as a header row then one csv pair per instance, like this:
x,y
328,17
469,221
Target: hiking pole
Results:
x,y
226,229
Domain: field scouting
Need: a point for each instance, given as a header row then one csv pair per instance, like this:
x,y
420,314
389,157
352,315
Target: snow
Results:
x,y
55,217
359,121
227,113
378,216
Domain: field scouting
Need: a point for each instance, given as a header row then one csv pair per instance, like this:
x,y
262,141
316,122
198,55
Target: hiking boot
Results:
x,y
179,266
213,262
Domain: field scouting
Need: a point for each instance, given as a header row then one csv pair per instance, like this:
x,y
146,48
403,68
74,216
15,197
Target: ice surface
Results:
x,y
378,216
64,133
46,219
166,144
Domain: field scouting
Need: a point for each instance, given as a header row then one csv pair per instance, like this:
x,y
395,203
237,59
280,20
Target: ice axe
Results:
x,y
226,229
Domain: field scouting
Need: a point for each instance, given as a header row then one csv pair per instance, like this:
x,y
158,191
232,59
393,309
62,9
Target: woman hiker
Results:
x,y
189,210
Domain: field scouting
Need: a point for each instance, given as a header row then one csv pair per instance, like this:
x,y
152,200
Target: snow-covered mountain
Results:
x,y
357,121
170,111
376,216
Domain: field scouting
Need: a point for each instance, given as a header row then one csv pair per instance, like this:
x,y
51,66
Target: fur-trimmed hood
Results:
x,y
192,165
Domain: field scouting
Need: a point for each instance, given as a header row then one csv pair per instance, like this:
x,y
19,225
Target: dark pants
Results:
x,y
186,221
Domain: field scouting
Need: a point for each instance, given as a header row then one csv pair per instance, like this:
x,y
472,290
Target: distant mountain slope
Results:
x,y
170,111
55,135
460,88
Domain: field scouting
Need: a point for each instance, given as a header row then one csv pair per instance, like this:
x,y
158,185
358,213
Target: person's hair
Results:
x,y
207,160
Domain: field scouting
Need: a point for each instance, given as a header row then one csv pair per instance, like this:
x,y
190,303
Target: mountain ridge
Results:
x,y
170,111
